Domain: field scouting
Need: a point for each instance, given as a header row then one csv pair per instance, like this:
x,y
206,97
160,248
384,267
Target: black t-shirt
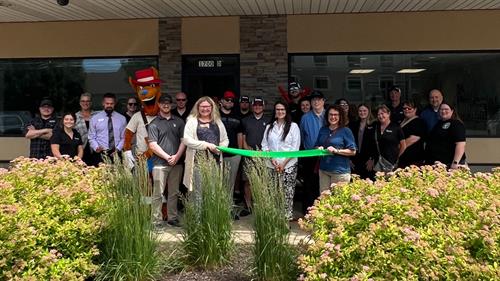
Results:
x,y
388,141
414,154
442,141
253,130
67,145
397,114
233,128
184,115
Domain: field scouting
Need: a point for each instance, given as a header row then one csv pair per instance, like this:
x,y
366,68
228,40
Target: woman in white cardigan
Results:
x,y
204,131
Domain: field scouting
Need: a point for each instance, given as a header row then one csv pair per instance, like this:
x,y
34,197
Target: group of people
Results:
x,y
400,136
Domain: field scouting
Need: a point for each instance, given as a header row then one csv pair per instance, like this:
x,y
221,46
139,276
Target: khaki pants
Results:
x,y
326,179
233,162
161,176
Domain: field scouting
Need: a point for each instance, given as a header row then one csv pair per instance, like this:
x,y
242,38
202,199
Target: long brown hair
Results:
x,y
288,120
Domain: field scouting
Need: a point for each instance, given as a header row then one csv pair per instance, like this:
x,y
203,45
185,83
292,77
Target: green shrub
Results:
x,y
50,216
417,224
207,223
128,242
274,257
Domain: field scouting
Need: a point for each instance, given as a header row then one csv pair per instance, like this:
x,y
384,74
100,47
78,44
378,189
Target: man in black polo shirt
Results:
x,y
253,132
395,105
39,130
165,140
244,107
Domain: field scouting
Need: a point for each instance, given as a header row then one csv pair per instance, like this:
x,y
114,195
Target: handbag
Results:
x,y
383,165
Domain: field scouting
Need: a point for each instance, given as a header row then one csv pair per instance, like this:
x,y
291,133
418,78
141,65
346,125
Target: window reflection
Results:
x,y
470,80
23,83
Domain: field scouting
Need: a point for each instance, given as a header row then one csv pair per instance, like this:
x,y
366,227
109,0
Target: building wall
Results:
x,y
210,35
170,60
422,31
79,39
263,56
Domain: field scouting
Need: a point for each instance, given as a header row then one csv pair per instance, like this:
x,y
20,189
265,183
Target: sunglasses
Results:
x,y
229,100
132,103
181,99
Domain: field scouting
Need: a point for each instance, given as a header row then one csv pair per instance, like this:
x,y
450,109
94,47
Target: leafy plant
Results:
x,y
50,216
207,224
275,258
416,224
128,242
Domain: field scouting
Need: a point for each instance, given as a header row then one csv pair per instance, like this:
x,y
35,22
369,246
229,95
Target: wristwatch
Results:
x,y
454,162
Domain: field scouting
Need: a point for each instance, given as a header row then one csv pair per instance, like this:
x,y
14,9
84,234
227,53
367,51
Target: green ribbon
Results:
x,y
275,154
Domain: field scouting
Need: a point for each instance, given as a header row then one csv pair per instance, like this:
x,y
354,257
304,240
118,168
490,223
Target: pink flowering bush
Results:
x,y
416,224
50,218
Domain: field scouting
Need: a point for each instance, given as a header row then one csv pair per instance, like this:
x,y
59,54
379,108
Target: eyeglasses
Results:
x,y
85,101
181,99
407,108
343,104
132,103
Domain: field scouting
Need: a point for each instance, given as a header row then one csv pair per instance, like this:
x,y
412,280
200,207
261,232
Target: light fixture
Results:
x,y
63,2
411,70
361,71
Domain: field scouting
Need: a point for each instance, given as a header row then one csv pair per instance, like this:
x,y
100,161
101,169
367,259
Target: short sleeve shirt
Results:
x,y
40,148
67,145
442,141
397,114
389,140
136,125
253,130
415,152
341,138
168,134
233,127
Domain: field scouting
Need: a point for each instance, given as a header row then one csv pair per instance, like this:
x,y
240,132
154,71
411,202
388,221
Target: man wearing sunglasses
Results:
x,y
181,110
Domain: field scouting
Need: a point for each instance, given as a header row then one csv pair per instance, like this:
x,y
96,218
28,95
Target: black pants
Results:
x,y
311,182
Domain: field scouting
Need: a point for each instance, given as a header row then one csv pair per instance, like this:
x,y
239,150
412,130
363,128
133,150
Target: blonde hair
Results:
x,y
214,115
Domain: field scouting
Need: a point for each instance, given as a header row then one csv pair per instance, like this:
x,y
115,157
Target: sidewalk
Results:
x,y
242,230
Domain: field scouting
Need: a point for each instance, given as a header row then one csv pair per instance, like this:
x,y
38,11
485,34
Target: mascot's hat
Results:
x,y
146,76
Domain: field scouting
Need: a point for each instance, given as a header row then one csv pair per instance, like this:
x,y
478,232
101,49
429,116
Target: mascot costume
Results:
x,y
147,87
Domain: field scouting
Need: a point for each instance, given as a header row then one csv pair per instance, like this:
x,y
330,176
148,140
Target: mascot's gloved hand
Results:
x,y
129,160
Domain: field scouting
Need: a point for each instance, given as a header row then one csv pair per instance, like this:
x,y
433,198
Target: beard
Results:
x,y
108,110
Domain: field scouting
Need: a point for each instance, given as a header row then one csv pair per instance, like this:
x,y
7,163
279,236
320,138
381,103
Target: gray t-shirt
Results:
x,y
167,133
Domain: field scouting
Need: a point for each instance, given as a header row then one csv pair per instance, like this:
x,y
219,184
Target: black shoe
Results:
x,y
175,223
245,212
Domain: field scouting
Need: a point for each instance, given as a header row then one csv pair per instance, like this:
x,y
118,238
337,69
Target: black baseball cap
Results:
x,y
258,100
395,88
316,94
46,102
244,98
165,98
294,86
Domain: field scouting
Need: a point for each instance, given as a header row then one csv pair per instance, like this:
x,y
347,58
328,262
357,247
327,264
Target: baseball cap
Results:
x,y
165,98
46,102
244,98
229,95
316,94
258,100
294,86
395,88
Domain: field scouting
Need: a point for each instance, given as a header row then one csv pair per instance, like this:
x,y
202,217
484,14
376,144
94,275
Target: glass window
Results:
x,y
468,79
24,82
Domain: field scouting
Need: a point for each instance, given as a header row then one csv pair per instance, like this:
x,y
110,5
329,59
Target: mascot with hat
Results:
x,y
147,87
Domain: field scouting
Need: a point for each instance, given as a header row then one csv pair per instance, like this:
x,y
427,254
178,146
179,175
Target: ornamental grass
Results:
x,y
207,223
51,213
415,224
274,257
128,242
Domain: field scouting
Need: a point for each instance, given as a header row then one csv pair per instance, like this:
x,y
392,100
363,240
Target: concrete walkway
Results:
x,y
242,229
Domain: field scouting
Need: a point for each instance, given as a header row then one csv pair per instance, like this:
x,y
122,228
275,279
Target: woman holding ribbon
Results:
x,y
204,131
339,141
283,135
